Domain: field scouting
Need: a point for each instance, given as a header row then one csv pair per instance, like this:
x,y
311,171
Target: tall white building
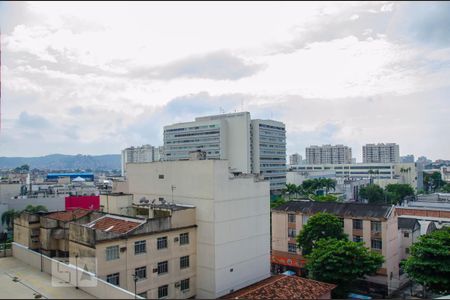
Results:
x,y
381,153
268,140
295,159
328,154
233,213
250,146
144,153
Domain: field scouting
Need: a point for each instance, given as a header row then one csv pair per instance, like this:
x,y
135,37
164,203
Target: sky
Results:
x,y
94,78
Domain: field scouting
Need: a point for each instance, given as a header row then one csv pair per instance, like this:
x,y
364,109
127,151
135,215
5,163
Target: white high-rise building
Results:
x,y
295,159
268,140
250,146
232,215
381,153
144,153
328,154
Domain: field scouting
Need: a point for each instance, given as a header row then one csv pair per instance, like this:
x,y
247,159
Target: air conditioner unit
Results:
x,y
123,249
155,270
177,284
175,239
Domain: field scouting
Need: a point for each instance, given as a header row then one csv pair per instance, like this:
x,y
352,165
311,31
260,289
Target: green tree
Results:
x,y
8,218
35,209
319,226
398,192
277,202
433,181
290,190
429,262
373,194
325,198
341,262
446,188
329,184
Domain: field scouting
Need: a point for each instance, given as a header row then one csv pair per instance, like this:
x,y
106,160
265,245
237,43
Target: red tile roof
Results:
x,y
283,287
115,225
68,215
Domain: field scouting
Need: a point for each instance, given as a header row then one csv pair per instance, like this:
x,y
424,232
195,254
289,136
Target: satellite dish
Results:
x,y
142,200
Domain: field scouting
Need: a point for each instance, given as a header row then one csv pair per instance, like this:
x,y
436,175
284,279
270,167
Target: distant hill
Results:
x,y
64,162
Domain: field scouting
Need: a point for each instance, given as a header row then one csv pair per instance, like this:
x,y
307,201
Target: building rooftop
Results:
x,y
115,224
68,215
283,287
337,208
407,223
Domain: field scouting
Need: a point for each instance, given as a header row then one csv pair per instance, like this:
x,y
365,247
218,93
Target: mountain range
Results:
x,y
64,162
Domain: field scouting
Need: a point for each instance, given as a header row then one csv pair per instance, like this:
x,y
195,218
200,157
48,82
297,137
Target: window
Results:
x,y
140,247
357,224
112,252
143,295
162,242
291,218
163,267
184,262
185,285
407,250
291,233
357,238
141,273
406,234
292,248
376,244
161,176
184,238
375,226
163,291
113,278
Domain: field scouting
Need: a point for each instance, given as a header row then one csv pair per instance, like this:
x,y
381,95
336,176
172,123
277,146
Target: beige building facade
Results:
x,y
159,252
374,225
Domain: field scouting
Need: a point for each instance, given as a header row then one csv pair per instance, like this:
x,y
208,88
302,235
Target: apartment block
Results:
x,y
144,153
233,243
250,146
295,159
381,153
375,225
328,154
156,256
268,140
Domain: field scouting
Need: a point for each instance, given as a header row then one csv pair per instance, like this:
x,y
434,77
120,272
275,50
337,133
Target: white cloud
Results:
x,y
312,65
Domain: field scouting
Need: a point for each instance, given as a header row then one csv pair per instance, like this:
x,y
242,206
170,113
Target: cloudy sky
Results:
x,y
93,78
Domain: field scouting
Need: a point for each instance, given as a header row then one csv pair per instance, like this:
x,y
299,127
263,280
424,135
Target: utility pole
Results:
x,y
76,271
172,188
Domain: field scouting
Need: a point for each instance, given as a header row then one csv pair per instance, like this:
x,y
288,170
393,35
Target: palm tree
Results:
x,y
8,218
290,189
35,209
329,184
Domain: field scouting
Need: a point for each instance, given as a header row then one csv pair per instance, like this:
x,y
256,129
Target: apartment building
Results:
x,y
328,154
381,153
375,225
380,173
233,241
116,203
144,153
250,146
156,257
268,152
27,230
54,230
295,159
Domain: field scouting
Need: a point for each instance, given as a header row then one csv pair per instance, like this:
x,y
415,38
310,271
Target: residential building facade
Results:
x,y
233,243
381,153
375,225
328,154
155,257
295,159
144,153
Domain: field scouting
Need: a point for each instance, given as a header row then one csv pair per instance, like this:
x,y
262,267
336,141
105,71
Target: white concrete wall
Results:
x,y
232,218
